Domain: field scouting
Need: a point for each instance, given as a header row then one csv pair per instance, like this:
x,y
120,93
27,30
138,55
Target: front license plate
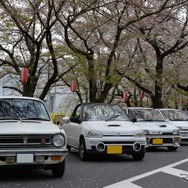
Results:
x,y
25,158
114,149
157,141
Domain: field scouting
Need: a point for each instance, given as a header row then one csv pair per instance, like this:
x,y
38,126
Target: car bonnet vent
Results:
x,y
113,125
162,125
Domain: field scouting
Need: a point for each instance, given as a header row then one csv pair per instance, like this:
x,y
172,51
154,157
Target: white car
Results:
x,y
159,133
28,136
97,128
178,118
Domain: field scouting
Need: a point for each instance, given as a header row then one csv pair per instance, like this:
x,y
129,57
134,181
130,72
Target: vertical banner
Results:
x,y
73,85
125,96
24,75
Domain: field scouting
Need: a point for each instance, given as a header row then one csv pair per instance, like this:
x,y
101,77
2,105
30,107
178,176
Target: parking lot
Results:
x,y
112,171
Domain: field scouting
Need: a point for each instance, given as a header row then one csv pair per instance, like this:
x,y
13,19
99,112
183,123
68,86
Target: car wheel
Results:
x,y
82,150
171,148
138,156
58,169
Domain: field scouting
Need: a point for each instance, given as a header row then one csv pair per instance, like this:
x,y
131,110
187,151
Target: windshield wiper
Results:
x,y
149,120
8,118
34,118
113,117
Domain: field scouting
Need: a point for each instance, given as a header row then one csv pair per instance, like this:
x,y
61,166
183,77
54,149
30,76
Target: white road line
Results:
x,y
166,169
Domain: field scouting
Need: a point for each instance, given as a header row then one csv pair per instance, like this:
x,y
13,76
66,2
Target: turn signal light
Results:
x,y
10,159
56,158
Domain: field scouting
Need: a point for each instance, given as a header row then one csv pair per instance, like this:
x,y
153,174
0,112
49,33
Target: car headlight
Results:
x,y
140,134
97,134
180,128
146,132
176,131
58,140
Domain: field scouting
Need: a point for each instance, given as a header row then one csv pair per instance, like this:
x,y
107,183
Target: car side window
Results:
x,y
78,112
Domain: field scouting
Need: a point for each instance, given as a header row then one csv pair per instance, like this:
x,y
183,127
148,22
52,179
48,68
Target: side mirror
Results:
x,y
75,120
134,120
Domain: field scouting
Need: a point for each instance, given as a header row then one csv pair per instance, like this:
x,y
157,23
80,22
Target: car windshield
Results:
x,y
104,112
145,115
175,115
22,109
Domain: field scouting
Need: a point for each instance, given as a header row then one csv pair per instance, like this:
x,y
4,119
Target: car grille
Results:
x,y
168,133
26,141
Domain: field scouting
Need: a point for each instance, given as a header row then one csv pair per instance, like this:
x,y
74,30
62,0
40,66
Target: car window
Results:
x,y
78,112
22,109
102,112
174,115
145,114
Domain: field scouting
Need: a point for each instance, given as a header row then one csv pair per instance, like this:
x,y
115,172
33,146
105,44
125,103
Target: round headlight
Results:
x,y
58,140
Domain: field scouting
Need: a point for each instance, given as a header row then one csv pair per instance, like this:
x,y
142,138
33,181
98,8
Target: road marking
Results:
x,y
166,169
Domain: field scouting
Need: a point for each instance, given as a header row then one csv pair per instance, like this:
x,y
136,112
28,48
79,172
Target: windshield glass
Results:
x,y
104,112
22,109
145,115
175,115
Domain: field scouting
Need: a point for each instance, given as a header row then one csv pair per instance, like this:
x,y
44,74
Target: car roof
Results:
x,y
167,109
18,97
144,108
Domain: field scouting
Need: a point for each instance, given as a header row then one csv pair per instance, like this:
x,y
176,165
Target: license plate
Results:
x,y
157,141
114,149
25,158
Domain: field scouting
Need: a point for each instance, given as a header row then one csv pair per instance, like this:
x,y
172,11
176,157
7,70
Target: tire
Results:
x,y
172,148
82,150
138,156
58,169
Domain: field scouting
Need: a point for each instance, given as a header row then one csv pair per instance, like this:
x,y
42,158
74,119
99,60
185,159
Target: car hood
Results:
x,y
156,126
182,124
113,127
28,127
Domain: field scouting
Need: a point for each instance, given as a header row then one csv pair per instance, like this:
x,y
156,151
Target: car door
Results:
x,y
75,128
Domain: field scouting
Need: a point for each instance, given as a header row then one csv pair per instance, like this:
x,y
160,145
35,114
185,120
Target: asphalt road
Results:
x,y
104,171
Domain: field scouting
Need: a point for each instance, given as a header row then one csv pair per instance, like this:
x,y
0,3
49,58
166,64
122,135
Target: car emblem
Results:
x,y
43,141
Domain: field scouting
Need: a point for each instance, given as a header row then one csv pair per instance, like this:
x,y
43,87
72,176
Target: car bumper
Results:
x,y
31,156
184,134
118,145
161,141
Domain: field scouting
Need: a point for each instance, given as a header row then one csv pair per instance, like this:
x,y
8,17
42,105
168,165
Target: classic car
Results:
x,y
159,133
29,138
178,118
98,128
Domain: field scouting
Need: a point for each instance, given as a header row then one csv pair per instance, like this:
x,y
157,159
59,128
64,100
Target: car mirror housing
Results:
x,y
134,120
75,120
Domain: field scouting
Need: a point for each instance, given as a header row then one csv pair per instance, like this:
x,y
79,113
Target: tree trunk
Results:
x,y
156,99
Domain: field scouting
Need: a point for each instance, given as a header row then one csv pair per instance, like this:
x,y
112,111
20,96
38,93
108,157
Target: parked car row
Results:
x,y
29,137
108,129
103,129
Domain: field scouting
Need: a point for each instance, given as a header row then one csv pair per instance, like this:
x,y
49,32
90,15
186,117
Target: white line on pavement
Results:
x,y
166,169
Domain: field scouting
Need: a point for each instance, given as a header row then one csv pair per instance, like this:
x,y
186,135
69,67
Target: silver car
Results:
x,y
178,118
28,136
159,133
